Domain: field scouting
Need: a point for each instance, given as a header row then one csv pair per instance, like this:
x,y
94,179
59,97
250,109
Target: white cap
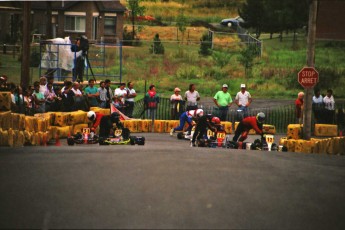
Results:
x,y
225,86
243,85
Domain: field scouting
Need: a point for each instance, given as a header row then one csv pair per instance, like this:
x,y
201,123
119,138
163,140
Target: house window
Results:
x,y
110,25
75,23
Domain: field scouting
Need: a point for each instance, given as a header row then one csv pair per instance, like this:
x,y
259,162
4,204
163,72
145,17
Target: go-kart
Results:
x,y
186,135
213,139
122,137
86,137
264,144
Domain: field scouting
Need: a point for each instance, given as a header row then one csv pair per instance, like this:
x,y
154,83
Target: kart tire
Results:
x,y
101,141
141,140
70,141
132,140
274,147
179,136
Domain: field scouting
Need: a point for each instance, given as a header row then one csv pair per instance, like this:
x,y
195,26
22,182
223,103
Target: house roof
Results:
x,y
103,6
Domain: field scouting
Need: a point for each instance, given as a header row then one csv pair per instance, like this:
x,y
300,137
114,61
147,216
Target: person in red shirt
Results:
x,y
105,122
299,107
248,123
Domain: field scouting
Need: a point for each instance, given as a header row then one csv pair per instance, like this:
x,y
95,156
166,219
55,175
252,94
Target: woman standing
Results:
x,y
176,104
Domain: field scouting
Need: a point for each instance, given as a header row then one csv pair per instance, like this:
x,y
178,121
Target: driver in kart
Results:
x,y
248,123
188,117
105,123
204,122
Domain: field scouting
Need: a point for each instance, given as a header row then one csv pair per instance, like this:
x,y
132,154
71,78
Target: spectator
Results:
x,y
192,97
317,106
176,104
59,99
43,84
38,98
223,101
299,108
109,92
103,98
243,99
151,101
92,93
118,103
50,97
121,92
329,102
67,100
28,101
78,97
3,83
50,80
131,94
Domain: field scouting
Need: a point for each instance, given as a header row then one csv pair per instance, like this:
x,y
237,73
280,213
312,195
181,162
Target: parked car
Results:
x,y
233,23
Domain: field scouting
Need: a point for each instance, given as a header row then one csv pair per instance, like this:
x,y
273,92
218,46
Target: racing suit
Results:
x,y
105,125
186,117
244,126
201,127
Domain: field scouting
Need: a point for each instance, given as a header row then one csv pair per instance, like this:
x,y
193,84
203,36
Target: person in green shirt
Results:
x,y
92,93
223,101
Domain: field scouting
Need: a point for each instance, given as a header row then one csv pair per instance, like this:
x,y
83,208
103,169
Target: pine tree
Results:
x,y
157,46
205,45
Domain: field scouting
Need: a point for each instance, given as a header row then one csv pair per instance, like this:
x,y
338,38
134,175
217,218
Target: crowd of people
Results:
x,y
42,96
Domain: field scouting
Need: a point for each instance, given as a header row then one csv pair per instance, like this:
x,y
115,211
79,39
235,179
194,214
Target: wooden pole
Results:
x,y
25,68
307,110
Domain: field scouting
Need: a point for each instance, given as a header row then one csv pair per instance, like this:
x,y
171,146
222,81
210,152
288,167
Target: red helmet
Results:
x,y
215,120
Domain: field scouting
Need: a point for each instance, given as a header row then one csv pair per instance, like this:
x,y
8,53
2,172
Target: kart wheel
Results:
x,y
274,147
132,140
179,136
70,141
101,141
141,140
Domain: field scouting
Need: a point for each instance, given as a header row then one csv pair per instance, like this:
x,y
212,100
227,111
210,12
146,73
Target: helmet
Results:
x,y
91,115
199,113
115,117
260,117
215,120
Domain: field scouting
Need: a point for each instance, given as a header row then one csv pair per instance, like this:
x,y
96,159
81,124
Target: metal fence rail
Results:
x,y
280,117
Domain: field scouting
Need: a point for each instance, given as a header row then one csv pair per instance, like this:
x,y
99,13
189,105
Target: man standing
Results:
x,y
223,101
92,93
109,93
151,101
103,98
121,92
131,94
243,99
192,97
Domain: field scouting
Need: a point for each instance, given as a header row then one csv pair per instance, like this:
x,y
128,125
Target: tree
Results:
x,y
157,46
253,14
247,57
221,58
136,10
205,45
181,23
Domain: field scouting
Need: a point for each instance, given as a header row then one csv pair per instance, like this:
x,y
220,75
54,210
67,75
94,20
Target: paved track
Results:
x,y
167,184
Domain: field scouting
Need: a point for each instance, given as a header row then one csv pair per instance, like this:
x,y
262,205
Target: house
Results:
x,y
98,20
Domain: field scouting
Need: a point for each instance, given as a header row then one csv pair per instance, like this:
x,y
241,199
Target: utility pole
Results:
x,y
307,110
25,70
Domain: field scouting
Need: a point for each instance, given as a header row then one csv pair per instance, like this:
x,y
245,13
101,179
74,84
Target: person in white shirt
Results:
x,y
43,85
192,97
176,106
121,92
131,94
243,99
317,106
329,102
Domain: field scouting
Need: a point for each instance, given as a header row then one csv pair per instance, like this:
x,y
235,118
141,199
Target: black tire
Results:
x,y
141,141
70,141
179,136
101,141
132,140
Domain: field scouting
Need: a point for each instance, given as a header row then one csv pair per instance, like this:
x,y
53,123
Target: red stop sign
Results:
x,y
308,77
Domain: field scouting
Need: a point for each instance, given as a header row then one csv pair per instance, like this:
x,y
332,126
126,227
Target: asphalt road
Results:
x,y
168,185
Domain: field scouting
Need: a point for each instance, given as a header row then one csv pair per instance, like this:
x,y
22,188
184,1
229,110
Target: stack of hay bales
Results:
x,y
331,145
12,129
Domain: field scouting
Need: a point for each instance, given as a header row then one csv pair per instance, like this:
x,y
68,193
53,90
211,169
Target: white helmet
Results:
x,y
91,115
199,113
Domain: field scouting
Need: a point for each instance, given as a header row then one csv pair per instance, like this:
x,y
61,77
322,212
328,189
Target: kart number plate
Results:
x,y
221,135
269,139
86,130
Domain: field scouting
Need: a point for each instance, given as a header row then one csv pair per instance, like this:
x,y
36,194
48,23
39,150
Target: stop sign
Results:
x,y
308,77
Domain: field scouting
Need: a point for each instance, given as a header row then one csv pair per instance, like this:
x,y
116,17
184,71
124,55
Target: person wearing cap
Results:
x,y
176,104
243,99
223,101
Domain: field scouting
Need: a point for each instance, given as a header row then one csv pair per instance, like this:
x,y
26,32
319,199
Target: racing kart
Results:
x,y
264,144
122,137
86,137
213,139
